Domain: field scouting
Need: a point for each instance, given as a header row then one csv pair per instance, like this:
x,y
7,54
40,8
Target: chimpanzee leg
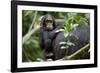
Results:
x,y
58,50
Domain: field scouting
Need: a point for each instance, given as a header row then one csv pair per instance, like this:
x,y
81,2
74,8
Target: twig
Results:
x,y
35,15
26,56
75,55
27,36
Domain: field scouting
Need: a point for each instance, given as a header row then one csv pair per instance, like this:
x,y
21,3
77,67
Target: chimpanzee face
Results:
x,y
49,23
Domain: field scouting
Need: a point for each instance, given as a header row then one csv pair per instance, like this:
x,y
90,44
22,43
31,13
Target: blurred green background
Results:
x,y
31,50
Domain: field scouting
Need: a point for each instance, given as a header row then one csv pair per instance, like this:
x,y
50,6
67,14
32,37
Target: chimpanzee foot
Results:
x,y
49,54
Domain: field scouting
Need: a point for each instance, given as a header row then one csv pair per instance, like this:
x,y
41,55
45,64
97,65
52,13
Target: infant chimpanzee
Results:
x,y
47,34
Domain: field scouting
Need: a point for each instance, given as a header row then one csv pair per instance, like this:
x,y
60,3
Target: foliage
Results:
x,y
72,21
31,50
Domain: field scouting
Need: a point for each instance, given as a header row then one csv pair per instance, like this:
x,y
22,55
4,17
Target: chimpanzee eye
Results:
x,y
49,21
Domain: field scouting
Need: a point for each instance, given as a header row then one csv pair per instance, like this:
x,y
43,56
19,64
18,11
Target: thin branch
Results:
x,y
27,36
24,52
33,21
77,53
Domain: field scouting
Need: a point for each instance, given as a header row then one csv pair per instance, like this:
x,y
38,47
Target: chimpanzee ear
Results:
x,y
54,22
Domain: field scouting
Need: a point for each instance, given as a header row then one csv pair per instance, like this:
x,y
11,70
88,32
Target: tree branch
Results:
x,y
27,36
78,53
35,15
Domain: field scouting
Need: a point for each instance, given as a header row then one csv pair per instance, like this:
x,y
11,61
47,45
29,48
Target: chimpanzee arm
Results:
x,y
53,33
41,39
